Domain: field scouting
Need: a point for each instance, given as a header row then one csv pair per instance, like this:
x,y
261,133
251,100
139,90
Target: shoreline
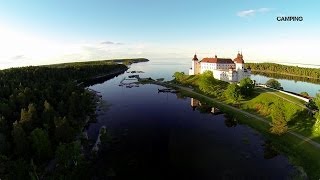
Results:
x,y
295,146
101,78
259,72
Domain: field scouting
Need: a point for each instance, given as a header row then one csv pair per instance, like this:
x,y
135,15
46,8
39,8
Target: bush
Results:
x,y
246,86
273,84
279,123
232,93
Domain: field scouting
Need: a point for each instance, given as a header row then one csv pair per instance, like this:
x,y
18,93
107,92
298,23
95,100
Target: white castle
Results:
x,y
224,69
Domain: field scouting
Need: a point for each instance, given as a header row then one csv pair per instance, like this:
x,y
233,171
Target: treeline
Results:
x,y
101,62
284,69
288,77
42,112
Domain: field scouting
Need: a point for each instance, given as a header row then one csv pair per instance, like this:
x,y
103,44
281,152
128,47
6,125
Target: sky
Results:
x,y
37,32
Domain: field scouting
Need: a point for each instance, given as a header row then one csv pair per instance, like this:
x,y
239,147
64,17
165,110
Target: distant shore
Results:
x,y
286,74
273,68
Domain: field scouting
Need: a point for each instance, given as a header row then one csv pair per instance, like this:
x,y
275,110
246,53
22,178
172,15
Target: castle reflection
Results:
x,y
204,108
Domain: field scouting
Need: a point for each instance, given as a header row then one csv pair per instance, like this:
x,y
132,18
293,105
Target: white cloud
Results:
x,y
111,43
263,10
246,13
21,49
252,12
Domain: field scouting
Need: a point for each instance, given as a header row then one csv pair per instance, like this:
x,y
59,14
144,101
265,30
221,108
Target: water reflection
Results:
x,y
203,107
162,136
230,121
194,103
269,150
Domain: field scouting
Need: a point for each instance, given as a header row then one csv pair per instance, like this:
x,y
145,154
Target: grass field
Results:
x,y
298,118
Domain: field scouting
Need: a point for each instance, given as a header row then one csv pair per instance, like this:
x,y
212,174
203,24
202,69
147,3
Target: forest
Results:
x,y
42,112
288,77
99,62
284,69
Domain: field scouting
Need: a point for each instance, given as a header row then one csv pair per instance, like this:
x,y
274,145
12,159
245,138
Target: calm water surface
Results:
x,y
291,85
161,68
169,138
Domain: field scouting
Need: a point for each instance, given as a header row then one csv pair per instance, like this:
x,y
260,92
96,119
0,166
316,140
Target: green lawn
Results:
x,y
297,117
291,98
264,102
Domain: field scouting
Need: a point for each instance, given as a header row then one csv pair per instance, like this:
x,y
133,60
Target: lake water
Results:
x,y
166,137
160,68
291,85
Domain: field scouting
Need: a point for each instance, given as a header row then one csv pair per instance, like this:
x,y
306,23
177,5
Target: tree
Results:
x,y
41,144
232,93
230,121
269,151
312,105
178,76
300,72
23,108
62,108
4,166
63,131
273,84
3,144
316,100
3,124
28,118
246,86
206,83
209,85
304,94
127,62
20,140
279,123
316,126
19,169
48,118
68,154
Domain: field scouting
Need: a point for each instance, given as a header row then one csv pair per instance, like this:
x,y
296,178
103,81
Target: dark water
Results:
x,y
166,137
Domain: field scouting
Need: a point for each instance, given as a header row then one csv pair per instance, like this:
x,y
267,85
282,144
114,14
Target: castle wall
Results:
x,y
222,70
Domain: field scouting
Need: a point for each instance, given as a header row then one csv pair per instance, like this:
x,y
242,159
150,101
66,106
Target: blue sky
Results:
x,y
44,31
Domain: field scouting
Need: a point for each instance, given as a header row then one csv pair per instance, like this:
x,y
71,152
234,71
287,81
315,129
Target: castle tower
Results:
x,y
239,67
239,62
195,66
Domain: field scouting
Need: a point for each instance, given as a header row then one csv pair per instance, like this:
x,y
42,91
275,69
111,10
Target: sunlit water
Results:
x,y
291,85
161,68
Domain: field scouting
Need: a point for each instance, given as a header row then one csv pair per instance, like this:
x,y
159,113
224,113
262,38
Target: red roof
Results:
x,y
239,58
195,58
217,60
